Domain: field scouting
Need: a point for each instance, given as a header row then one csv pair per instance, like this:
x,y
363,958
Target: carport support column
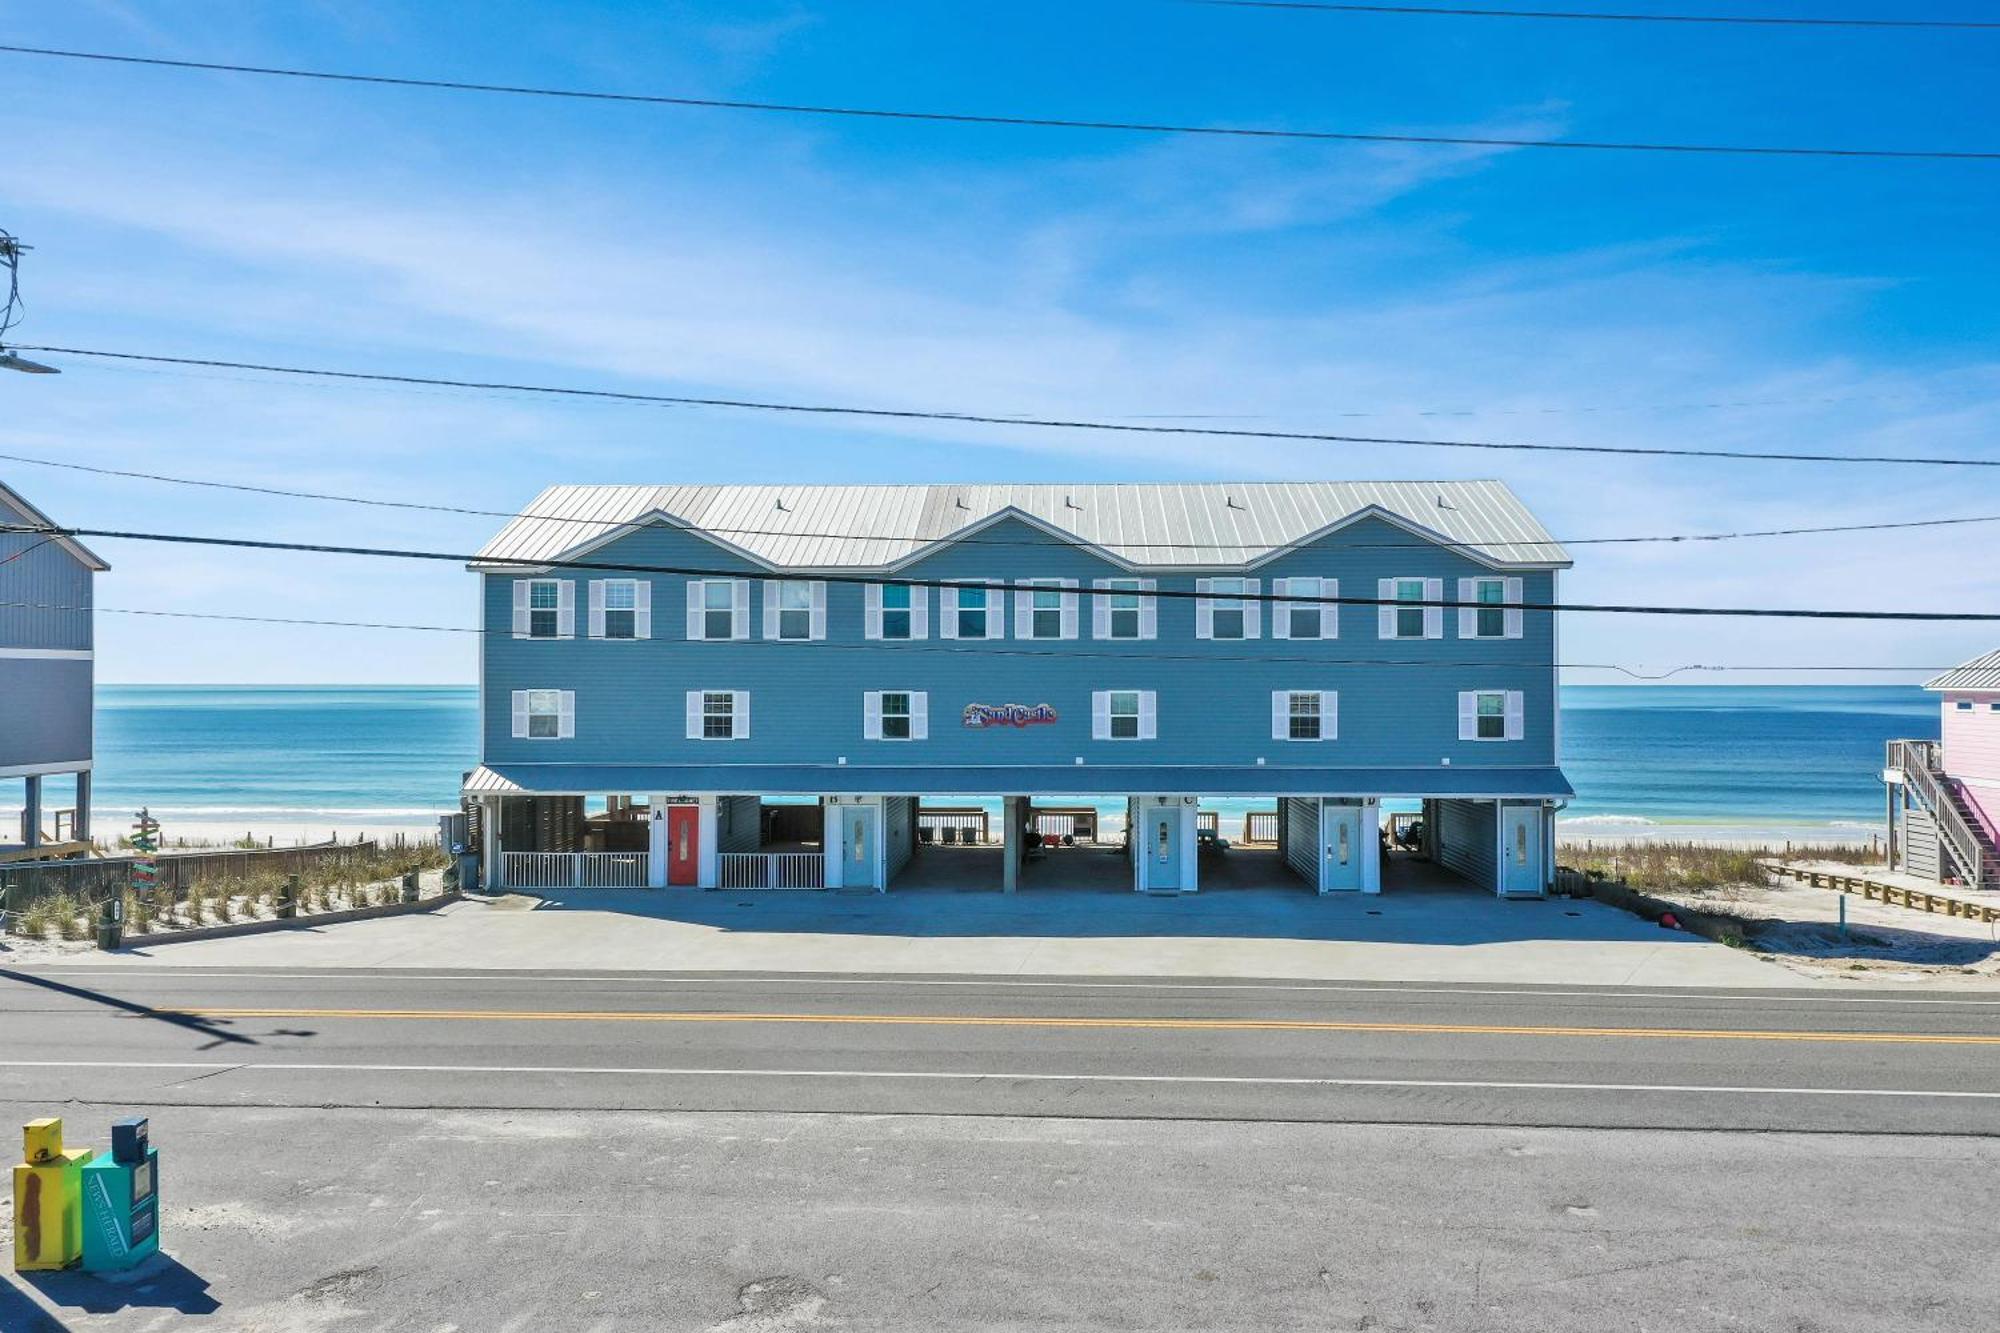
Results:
x,y
31,813
82,817
707,856
1010,842
492,874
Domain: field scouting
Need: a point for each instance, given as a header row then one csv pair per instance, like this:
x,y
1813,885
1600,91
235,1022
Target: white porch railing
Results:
x,y
576,870
773,870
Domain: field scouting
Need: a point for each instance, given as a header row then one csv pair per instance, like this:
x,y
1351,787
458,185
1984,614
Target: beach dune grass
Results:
x,y
1666,866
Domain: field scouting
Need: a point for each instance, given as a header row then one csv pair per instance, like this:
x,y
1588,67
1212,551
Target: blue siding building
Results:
x,y
773,685
47,662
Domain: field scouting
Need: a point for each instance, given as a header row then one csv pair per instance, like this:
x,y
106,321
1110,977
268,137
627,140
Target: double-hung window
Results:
x,y
1124,715
544,609
895,715
718,715
1223,610
544,715
1045,609
1403,613
1122,610
1310,619
897,611
621,609
718,609
794,610
972,610
1489,608
1490,715
1304,715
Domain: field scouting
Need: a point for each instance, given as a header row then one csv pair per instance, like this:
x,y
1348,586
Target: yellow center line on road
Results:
x,y
1141,1024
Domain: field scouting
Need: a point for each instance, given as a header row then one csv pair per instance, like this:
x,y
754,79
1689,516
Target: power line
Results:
x,y
1747,20
1049,423
1013,121
637,524
902,647
1172,594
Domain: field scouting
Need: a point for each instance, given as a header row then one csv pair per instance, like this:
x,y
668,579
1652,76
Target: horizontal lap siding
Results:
x,y
1465,839
1920,843
1213,699
1972,736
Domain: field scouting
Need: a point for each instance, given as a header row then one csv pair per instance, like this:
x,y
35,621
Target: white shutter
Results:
x,y
1329,611
597,608
920,613
920,716
1513,616
520,609
1100,612
1100,715
1024,613
1281,715
694,715
871,715
520,714
770,608
1204,611
1068,615
996,608
1149,715
740,608
1149,611
565,714
694,620
1281,612
1385,614
1468,715
1434,615
947,613
1253,611
818,617
1468,609
642,610
1515,710
1329,715
871,616
740,721
566,609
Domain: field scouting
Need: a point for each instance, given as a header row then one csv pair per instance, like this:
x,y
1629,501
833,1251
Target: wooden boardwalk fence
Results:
x,y
1874,890
99,877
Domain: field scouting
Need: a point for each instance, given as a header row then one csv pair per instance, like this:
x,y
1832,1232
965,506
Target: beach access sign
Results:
x,y
1008,715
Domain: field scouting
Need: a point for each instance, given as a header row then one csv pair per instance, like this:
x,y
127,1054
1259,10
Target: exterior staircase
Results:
x,y
1970,850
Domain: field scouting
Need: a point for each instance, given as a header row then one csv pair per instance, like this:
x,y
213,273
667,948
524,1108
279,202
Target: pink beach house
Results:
x,y
1944,795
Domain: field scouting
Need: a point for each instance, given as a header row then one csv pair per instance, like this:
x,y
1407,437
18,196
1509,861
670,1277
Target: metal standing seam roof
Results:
x,y
1981,673
1158,525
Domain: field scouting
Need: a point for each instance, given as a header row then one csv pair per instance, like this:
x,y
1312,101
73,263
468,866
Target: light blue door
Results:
x,y
1341,850
1521,849
859,830
1162,848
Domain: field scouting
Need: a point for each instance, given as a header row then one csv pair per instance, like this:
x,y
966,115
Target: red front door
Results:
x,y
683,844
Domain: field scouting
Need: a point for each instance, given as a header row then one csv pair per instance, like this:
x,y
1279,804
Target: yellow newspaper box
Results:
x,y
48,1199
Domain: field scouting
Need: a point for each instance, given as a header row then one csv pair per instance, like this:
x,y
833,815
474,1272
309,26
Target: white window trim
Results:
x,y
1470,607
565,608
815,609
1512,710
920,716
1100,715
874,610
1024,608
1100,607
1385,617
739,610
1329,716
565,715
996,607
739,715
1329,612
1204,607
642,609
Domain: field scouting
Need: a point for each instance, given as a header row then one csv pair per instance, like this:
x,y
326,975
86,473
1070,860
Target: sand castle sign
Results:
x,y
1008,715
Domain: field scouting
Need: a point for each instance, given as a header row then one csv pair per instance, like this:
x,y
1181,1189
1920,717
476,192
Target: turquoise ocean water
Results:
x,y
381,755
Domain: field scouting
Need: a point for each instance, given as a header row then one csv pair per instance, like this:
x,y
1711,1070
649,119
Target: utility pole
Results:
x,y
11,251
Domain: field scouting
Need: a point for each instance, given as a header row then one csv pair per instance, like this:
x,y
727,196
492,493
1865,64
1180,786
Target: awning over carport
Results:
x,y
902,780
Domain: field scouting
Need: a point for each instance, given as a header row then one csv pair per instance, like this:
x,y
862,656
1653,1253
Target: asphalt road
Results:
x,y
738,1154
1380,1053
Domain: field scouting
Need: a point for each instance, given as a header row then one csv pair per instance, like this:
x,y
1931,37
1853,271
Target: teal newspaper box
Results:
x,y
121,1200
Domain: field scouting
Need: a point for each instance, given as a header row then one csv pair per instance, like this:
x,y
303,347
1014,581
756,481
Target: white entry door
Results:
x,y
1342,851
859,829
1161,849
1521,850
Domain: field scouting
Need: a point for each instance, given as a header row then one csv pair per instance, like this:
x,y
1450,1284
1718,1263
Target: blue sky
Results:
x,y
1436,292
